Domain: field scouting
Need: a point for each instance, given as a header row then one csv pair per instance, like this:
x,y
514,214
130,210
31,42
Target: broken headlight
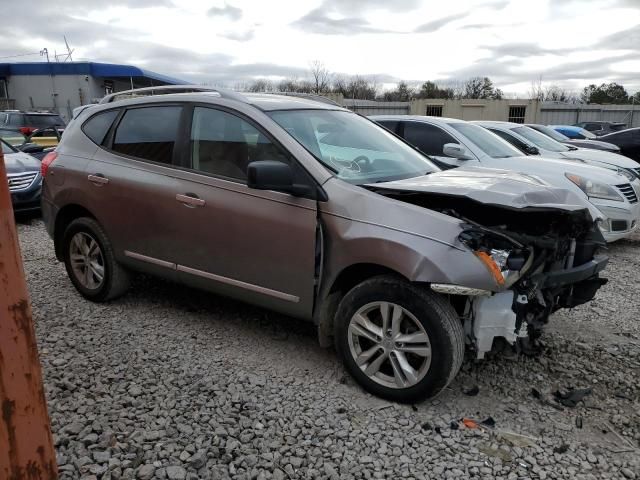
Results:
x,y
496,263
595,189
502,257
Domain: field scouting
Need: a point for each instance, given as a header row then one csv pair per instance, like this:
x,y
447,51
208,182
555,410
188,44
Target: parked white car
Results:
x,y
611,196
528,140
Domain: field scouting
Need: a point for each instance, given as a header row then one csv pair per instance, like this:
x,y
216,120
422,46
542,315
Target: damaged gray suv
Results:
x,y
302,207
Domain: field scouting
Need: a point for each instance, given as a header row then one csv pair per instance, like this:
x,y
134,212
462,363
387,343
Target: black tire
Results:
x,y
116,279
438,318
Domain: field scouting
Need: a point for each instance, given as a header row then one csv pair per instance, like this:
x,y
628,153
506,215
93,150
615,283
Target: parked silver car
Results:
x,y
611,196
311,210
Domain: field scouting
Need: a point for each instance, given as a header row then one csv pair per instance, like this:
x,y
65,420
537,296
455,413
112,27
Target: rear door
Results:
x,y
131,182
256,245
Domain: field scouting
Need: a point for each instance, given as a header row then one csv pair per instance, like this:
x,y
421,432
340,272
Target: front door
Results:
x,y
256,245
431,140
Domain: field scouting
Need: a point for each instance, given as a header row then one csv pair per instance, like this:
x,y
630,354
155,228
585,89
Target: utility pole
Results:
x,y
45,53
26,445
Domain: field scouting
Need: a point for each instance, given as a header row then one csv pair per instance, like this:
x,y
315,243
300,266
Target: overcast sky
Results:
x,y
566,42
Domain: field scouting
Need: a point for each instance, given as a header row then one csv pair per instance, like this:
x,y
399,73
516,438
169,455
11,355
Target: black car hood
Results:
x,y
21,163
490,187
595,144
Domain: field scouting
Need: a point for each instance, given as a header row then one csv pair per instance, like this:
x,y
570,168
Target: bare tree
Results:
x,y
555,93
340,85
260,85
551,93
402,93
431,89
321,77
481,87
536,92
295,85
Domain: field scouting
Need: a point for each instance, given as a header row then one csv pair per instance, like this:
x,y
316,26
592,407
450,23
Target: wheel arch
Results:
x,y
331,295
64,217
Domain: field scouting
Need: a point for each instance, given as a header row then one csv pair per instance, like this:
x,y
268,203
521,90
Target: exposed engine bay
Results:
x,y
542,258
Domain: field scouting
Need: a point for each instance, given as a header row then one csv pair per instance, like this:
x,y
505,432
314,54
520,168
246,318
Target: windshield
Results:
x,y
6,148
587,134
550,132
540,140
356,149
486,141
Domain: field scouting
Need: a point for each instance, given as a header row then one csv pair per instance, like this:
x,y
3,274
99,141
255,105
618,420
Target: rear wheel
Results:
x,y
90,262
398,340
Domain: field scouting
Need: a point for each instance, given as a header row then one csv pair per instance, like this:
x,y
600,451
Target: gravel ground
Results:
x,y
170,382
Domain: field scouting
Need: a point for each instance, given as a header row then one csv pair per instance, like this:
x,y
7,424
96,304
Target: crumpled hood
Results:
x,y
601,157
21,163
491,187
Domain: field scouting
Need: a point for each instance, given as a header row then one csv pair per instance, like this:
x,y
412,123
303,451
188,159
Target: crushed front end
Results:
x,y
541,247
542,260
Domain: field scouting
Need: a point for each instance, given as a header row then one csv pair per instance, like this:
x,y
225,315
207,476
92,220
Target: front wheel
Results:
x,y
399,340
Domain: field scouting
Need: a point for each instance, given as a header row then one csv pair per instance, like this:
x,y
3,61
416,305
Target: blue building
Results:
x,y
62,86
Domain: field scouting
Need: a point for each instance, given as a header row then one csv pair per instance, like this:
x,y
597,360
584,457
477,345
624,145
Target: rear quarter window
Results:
x,y
96,127
389,125
42,121
16,120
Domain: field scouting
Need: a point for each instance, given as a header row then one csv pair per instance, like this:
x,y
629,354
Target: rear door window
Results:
x,y
149,133
428,138
96,127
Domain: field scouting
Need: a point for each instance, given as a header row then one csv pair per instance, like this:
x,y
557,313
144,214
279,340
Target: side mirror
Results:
x,y
531,150
456,150
272,175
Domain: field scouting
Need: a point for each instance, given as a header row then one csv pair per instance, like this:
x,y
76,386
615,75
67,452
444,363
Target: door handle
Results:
x,y
190,200
98,179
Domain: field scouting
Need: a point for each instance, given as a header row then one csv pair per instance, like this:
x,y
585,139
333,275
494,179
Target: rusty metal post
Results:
x,y
26,446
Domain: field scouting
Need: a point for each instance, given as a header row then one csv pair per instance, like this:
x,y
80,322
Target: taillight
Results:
x,y
27,130
48,159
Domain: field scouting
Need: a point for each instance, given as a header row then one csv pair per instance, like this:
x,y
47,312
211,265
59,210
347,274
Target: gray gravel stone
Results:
x,y
173,383
145,472
176,473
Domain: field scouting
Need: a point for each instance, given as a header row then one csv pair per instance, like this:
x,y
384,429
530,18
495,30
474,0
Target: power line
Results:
x,y
21,55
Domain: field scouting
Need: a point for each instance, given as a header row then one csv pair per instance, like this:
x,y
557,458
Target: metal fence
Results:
x,y
7,104
371,107
563,114
513,110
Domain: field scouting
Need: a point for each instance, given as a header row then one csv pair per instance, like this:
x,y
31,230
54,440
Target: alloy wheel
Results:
x,y
389,344
87,261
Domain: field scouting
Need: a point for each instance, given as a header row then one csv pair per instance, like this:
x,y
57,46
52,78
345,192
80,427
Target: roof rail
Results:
x,y
167,89
310,96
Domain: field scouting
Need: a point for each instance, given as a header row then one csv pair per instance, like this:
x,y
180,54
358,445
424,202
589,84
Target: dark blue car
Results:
x,y
573,132
25,182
